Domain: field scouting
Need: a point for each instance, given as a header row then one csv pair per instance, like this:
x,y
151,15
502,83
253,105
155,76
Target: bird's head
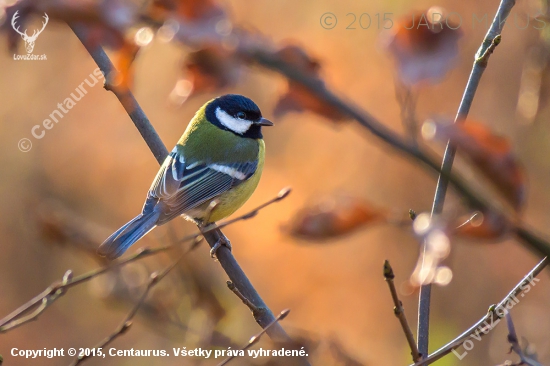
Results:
x,y
236,114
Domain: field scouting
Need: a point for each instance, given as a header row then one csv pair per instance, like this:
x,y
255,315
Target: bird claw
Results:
x,y
221,241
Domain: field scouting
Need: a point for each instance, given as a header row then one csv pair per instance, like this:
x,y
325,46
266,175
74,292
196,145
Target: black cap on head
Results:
x,y
237,114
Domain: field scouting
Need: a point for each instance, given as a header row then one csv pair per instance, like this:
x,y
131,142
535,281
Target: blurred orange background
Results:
x,y
95,163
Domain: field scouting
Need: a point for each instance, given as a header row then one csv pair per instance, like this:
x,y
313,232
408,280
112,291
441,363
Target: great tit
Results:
x,y
220,157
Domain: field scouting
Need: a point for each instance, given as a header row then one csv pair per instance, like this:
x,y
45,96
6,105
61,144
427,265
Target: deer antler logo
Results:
x,y
29,40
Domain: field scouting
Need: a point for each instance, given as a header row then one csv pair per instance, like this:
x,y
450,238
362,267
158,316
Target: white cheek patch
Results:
x,y
239,126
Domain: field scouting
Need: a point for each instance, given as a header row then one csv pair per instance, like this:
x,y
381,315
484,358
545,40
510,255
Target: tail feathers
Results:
x,y
116,244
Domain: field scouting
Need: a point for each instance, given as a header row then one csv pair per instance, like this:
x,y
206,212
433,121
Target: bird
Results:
x,y
211,172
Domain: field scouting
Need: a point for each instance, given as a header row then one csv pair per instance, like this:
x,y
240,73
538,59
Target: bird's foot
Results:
x,y
221,241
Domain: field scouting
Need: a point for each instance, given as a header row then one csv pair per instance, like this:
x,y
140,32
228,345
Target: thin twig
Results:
x,y
154,279
56,289
483,60
488,322
526,358
491,40
256,338
53,292
224,256
400,312
283,193
513,337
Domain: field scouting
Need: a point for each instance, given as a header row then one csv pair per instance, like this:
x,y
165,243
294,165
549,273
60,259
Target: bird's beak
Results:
x,y
264,122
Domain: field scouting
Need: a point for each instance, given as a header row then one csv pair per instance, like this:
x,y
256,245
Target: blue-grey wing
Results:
x,y
180,187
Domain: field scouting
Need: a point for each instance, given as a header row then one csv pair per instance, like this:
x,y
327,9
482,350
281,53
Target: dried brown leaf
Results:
x,y
492,154
210,69
298,98
59,225
334,217
189,10
424,45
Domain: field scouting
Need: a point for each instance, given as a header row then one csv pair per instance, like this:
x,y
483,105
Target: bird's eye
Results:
x,y
241,115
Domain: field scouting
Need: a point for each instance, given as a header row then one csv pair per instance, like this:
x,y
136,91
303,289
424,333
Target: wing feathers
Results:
x,y
181,187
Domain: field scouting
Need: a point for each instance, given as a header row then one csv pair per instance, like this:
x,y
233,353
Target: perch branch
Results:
x,y
245,301
224,256
400,312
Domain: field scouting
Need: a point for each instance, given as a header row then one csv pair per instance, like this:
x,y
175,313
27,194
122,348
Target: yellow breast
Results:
x,y
232,200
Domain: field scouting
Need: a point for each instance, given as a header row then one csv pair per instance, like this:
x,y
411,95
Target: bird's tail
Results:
x,y
116,244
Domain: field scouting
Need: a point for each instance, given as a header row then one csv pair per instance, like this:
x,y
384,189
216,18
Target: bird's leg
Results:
x,y
222,240
213,232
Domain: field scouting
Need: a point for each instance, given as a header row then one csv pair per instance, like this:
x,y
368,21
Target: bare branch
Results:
x,y
245,301
488,322
400,312
483,60
256,338
154,279
491,40
46,298
238,277
527,360
56,289
127,99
